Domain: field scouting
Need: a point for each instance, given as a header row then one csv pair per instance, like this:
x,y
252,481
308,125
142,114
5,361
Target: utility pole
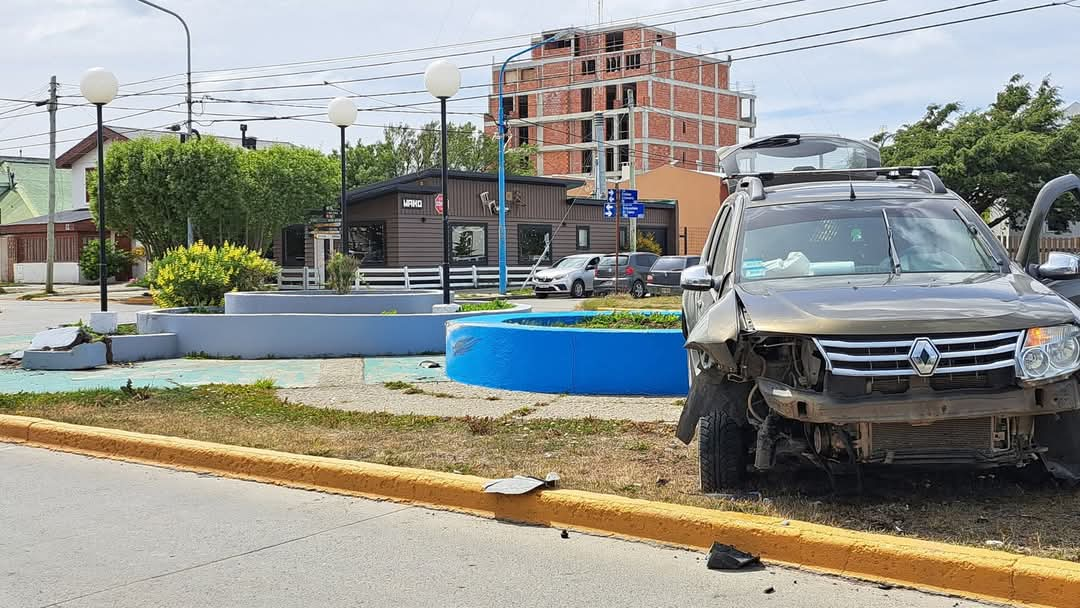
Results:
x,y
50,230
633,177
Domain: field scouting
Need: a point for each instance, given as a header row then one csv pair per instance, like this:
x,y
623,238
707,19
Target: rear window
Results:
x,y
609,260
671,263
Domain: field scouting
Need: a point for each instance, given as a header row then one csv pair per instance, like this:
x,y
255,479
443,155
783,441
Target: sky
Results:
x,y
853,89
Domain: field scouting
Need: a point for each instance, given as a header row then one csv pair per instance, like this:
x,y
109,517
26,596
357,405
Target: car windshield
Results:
x,y
571,263
609,260
806,153
843,238
672,263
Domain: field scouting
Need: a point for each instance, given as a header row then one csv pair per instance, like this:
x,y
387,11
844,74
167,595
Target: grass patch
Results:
x,y
630,320
265,383
643,460
37,295
397,385
126,329
389,312
411,389
205,355
625,301
482,306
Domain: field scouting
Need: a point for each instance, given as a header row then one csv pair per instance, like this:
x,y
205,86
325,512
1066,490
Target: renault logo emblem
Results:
x,y
924,357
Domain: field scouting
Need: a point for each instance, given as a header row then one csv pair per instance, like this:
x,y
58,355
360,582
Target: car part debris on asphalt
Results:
x,y
726,557
521,484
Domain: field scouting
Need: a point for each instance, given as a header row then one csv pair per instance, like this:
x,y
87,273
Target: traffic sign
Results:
x,y
627,196
612,195
609,210
633,210
438,204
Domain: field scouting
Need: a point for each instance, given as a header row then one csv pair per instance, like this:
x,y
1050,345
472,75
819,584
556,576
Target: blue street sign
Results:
x,y
609,210
611,206
633,210
611,195
626,196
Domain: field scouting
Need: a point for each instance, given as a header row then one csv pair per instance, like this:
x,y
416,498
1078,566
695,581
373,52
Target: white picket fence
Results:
x,y
461,277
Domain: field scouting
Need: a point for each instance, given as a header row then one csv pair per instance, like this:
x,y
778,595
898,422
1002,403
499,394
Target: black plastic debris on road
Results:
x,y
726,557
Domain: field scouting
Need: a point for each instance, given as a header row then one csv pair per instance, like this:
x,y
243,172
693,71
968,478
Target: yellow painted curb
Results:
x,y
972,572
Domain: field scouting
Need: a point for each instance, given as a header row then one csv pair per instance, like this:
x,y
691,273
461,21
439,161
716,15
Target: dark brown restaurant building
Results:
x,y
398,223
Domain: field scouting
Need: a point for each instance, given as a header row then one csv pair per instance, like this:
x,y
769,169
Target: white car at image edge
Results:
x,y
572,276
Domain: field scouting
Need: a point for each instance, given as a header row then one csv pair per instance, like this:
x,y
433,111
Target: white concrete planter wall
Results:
x,y
365,301
295,335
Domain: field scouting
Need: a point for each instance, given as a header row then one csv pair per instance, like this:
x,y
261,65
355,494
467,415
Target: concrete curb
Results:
x,y
971,572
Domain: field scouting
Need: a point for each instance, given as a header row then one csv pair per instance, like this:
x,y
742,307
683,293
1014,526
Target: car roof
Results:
x,y
813,192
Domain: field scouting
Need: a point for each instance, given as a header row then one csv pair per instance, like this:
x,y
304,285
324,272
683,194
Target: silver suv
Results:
x,y
572,275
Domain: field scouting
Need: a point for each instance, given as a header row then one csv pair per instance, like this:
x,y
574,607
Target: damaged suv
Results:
x,y
868,316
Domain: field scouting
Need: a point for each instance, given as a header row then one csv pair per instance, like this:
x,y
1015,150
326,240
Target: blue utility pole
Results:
x,y
502,157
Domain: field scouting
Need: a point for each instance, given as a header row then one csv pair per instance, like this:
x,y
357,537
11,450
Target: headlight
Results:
x,y
1049,352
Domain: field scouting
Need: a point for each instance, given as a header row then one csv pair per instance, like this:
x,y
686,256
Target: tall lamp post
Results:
x,y
342,112
502,153
442,80
187,35
99,87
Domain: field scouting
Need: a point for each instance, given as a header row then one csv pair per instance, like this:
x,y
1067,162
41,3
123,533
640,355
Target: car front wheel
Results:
x,y
722,452
577,290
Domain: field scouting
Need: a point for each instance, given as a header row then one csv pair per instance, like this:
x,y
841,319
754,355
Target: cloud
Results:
x,y
910,44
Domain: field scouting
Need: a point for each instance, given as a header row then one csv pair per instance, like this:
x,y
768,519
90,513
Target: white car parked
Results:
x,y
572,275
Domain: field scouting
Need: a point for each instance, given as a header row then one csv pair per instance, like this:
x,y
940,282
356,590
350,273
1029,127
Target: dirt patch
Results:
x,y
635,459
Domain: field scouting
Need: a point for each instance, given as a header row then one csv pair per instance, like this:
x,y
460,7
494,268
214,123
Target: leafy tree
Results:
x,y
280,185
646,241
999,157
405,149
231,195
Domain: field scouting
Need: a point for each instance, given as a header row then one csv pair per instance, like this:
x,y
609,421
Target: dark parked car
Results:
x,y
867,317
663,277
632,268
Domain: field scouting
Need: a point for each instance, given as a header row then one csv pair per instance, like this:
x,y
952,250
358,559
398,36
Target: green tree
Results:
x,y
405,149
116,260
996,158
154,185
232,195
280,185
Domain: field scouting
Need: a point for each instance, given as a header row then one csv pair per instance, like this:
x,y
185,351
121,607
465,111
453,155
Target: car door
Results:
x,y
1028,253
716,259
589,272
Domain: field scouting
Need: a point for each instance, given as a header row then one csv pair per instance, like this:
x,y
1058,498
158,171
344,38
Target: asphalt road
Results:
x,y
82,532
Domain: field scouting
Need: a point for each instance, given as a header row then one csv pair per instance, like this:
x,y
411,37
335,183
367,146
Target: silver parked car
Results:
x,y
572,275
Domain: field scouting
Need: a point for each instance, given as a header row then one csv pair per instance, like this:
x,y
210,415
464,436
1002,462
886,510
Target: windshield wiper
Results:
x,y
892,246
980,240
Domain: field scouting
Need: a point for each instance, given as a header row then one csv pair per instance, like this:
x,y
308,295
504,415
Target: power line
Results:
x,y
91,124
671,62
466,43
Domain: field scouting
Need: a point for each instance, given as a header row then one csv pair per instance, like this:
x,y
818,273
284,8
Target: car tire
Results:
x,y
540,296
722,452
637,290
577,290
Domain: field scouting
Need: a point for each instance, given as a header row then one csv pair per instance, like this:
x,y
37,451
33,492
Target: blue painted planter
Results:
x,y
531,353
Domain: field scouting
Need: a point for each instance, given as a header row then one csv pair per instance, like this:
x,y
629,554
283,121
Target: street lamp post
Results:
x,y
342,112
99,87
188,99
502,154
443,79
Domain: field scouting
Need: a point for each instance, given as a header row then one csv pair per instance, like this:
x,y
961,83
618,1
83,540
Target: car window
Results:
x,y
644,259
609,260
717,255
837,238
693,260
669,263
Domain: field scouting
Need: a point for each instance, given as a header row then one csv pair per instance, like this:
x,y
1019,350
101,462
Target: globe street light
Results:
x,y
98,86
342,112
442,79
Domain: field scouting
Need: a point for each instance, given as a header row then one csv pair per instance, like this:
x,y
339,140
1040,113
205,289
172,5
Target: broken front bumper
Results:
x,y
919,406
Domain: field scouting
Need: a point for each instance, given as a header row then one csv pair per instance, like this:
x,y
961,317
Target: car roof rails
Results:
x,y
754,183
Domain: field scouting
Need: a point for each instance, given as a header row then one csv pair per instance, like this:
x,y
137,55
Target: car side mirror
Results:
x,y
696,278
591,267
1060,265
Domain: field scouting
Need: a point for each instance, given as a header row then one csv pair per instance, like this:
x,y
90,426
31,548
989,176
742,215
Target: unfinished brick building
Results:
x,y
685,107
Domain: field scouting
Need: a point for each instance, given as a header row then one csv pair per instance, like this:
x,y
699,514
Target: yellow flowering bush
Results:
x,y
200,275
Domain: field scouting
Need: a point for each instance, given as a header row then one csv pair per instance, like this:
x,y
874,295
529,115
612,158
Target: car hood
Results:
x,y
913,303
553,273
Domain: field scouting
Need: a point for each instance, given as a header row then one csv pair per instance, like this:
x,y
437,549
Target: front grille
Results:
x,y
960,356
967,433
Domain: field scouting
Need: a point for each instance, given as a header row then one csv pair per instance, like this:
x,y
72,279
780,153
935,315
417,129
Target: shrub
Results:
x,y
200,275
116,259
646,241
340,273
